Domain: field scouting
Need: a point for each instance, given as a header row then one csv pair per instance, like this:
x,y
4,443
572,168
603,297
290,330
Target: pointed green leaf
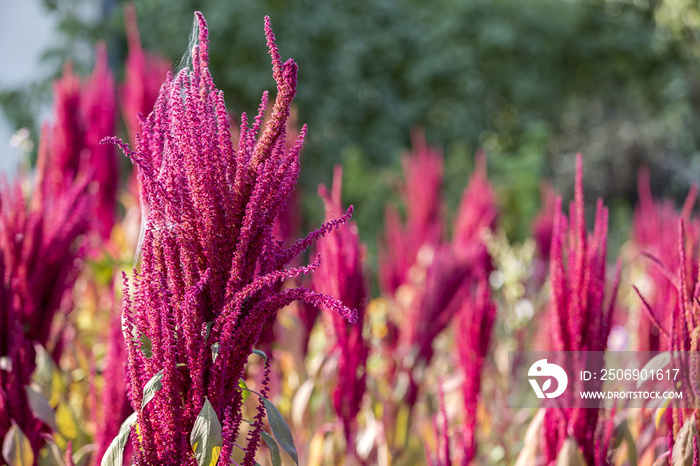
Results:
x,y
245,391
16,449
146,346
260,353
65,420
84,456
570,454
44,373
153,385
41,408
214,351
274,449
682,453
281,430
206,437
207,330
114,456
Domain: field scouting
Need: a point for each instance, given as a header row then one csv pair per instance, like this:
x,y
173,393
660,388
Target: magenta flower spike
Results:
x,y
477,212
654,239
341,274
41,245
209,261
680,328
475,320
421,196
17,358
440,455
543,223
114,401
85,113
580,319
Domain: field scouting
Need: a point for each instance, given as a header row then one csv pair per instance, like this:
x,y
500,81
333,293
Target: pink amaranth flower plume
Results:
x,y
421,196
85,113
210,262
475,320
580,319
41,246
654,239
681,327
543,223
477,212
427,276
114,405
341,274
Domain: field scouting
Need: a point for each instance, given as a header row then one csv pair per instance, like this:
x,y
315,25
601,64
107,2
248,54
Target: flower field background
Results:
x,y
167,306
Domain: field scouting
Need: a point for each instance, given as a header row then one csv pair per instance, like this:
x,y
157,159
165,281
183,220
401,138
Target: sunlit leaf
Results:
x,y
65,421
570,454
659,413
151,388
114,456
315,455
83,456
51,454
274,449
206,437
16,449
46,376
280,430
682,454
301,401
40,407
245,391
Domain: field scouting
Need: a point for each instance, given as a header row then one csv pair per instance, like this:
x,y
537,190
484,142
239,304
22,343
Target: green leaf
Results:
x,y
280,430
83,457
114,456
41,408
260,353
153,385
46,376
246,391
682,453
214,351
146,345
207,330
570,454
65,421
206,437
16,449
274,449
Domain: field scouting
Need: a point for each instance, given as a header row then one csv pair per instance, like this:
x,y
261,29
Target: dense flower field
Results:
x,y
182,317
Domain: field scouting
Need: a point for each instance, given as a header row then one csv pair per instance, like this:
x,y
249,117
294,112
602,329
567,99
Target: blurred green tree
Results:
x,y
531,82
